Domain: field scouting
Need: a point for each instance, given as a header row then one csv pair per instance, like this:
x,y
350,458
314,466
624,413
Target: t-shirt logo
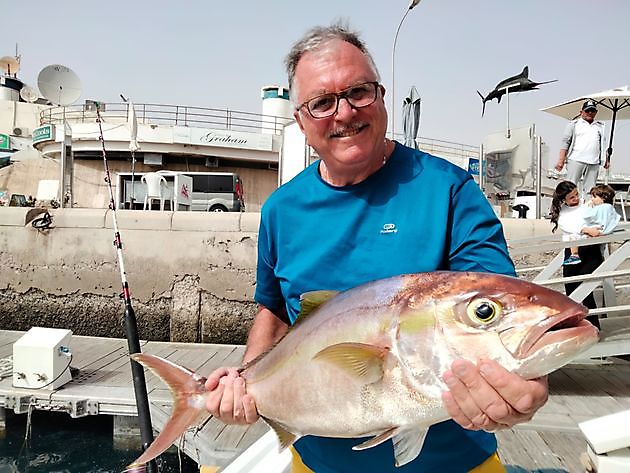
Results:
x,y
389,228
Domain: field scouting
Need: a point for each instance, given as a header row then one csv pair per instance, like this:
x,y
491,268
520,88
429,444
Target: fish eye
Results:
x,y
483,310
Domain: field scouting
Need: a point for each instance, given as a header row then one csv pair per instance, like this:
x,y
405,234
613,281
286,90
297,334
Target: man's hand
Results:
x,y
488,397
227,399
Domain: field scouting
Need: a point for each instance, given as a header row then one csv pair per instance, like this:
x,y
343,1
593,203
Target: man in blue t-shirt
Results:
x,y
369,209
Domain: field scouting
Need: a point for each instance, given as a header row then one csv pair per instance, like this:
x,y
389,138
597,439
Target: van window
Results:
x,y
213,183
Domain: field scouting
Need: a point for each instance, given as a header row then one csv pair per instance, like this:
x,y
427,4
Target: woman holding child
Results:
x,y
595,218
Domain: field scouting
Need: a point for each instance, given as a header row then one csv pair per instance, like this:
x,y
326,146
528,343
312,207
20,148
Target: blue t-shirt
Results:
x,y
417,213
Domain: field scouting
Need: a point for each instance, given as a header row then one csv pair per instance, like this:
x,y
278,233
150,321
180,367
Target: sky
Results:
x,y
219,54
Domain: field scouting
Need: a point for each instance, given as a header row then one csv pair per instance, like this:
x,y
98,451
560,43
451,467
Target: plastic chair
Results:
x,y
623,198
153,181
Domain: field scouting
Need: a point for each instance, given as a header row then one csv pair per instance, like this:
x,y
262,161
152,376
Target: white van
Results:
x,y
216,192
211,191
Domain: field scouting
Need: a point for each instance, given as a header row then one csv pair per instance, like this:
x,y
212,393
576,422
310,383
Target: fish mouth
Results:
x,y
568,325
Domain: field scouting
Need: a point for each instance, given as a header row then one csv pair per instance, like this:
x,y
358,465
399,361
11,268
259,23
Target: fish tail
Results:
x,y
184,385
483,101
135,468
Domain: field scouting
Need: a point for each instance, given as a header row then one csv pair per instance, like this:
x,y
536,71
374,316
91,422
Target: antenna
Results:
x,y
9,65
59,84
29,94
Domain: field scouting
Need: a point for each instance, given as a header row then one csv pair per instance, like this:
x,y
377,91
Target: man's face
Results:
x,y
351,136
589,114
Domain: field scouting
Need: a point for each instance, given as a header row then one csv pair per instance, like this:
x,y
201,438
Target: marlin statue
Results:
x,y
517,83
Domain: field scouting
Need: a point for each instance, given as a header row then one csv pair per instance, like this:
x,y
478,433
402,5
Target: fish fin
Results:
x,y
309,301
408,443
483,101
377,440
285,437
359,360
525,72
183,384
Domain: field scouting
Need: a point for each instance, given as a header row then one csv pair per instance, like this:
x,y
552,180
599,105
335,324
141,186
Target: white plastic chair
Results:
x,y
622,198
154,182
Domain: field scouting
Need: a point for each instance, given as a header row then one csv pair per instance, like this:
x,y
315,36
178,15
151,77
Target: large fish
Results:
x,y
368,361
518,83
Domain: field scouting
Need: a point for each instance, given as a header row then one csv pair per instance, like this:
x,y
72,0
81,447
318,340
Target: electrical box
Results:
x,y
608,440
41,359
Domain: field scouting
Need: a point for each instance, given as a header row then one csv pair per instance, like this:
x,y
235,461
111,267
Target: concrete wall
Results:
x,y
191,274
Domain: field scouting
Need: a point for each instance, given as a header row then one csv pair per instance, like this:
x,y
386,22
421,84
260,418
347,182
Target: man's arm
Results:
x,y
565,144
266,330
562,159
228,399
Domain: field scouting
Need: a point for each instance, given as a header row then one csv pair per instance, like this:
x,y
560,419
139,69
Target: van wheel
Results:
x,y
217,208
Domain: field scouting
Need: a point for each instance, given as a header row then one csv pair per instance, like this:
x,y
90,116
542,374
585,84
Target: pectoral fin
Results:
x,y
359,360
408,443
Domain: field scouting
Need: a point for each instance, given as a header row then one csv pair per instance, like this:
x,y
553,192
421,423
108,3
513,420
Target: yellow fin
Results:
x,y
359,360
309,301
285,437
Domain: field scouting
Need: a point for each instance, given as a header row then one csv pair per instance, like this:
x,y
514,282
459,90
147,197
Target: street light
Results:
x,y
412,5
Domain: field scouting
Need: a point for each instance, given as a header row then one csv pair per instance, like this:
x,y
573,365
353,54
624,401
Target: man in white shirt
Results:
x,y
582,149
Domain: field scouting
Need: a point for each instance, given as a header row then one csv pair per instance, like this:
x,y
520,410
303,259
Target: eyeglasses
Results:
x,y
357,96
591,110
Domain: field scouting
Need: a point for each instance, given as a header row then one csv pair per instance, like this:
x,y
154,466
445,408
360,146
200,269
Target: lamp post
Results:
x,y
412,5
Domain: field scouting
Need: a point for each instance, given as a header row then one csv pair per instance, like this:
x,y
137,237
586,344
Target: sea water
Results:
x,y
60,444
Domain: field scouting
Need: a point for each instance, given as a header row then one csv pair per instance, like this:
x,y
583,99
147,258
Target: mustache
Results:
x,y
347,130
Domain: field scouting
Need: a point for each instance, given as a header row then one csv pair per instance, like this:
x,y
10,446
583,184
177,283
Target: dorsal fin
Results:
x,y
309,301
525,72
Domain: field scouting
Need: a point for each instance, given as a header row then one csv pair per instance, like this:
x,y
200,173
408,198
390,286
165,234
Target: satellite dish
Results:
x,y
29,94
9,65
59,84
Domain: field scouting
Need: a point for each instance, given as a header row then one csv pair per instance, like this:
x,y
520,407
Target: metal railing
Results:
x,y
171,115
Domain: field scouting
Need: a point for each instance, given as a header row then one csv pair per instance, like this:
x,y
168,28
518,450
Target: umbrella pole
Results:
x,y
508,134
609,151
132,199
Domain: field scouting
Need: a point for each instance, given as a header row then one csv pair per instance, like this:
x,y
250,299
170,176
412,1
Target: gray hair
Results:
x,y
317,37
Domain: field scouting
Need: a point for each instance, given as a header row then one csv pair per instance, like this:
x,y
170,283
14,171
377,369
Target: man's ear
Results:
x,y
298,119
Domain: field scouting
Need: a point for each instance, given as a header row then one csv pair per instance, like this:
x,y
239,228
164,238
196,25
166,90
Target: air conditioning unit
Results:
x,y
21,131
212,162
91,106
152,159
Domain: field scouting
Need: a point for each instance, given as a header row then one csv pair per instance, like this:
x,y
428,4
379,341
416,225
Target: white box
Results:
x,y
607,433
41,359
617,461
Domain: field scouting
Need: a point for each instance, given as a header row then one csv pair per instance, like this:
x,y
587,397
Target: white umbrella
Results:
x,y
132,123
613,104
411,117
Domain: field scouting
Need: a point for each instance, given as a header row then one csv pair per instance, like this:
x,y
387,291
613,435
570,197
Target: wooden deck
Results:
x,y
551,442
104,386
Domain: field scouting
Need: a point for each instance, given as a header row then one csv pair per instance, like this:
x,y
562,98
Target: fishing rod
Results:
x,y
131,326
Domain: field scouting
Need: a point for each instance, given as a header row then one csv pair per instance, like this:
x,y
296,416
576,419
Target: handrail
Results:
x,y
218,118
162,114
